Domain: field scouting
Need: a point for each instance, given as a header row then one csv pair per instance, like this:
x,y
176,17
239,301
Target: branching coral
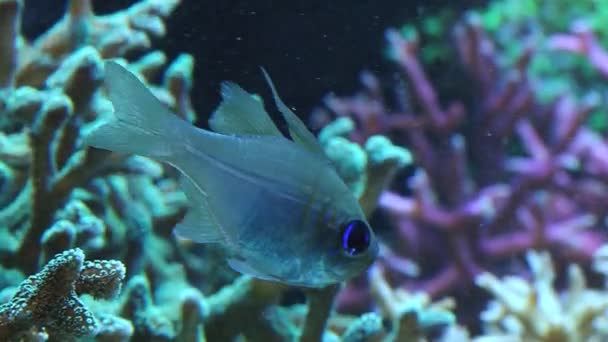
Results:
x,y
48,301
59,78
514,25
497,173
491,177
535,311
412,315
57,195
365,169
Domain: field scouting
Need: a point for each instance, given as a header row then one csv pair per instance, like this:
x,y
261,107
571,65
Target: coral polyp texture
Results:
x,y
486,175
49,299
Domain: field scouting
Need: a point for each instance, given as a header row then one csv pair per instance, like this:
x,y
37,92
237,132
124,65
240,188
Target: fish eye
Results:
x,y
355,237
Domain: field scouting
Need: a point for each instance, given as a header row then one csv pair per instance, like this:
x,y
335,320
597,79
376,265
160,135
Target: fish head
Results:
x,y
331,243
348,243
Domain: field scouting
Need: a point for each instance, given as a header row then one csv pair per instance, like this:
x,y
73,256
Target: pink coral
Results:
x,y
497,175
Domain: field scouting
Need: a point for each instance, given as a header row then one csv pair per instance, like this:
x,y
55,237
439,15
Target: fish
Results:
x,y
275,203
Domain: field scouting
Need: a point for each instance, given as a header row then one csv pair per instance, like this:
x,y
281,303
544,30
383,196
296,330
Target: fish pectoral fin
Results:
x,y
297,129
241,113
199,224
195,227
243,267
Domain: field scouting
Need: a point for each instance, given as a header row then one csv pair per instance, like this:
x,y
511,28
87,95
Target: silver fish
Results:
x,y
277,205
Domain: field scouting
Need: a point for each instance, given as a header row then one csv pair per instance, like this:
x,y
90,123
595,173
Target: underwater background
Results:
x,y
473,133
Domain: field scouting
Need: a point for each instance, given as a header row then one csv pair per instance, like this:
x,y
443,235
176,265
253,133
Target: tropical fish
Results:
x,y
276,204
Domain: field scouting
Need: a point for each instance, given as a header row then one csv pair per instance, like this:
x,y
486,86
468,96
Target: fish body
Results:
x,y
276,204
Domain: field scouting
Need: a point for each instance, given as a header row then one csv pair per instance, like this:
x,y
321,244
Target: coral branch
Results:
x,y
10,15
49,299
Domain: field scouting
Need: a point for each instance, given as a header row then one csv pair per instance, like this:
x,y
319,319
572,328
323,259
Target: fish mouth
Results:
x,y
338,275
335,271
374,251
347,272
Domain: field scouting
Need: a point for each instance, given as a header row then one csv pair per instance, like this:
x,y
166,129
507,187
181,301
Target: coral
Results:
x,y
112,328
533,310
517,164
287,321
412,315
365,169
495,174
366,327
401,316
148,321
49,299
57,196
59,97
488,177
518,25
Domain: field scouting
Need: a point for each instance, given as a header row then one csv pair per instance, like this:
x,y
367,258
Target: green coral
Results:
x,y
517,25
58,195
431,31
552,15
365,169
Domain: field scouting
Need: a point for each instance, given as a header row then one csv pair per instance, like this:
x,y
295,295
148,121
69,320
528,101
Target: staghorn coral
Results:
x,y
287,321
493,176
533,310
48,301
412,315
515,25
365,169
54,192
496,173
57,105
400,316
56,195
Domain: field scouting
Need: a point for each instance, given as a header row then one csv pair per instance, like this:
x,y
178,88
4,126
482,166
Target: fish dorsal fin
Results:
x,y
241,113
199,224
297,129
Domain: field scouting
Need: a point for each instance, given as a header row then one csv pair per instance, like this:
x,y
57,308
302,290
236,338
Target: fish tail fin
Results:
x,y
140,124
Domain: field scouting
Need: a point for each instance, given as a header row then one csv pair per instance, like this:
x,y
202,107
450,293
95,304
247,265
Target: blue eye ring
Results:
x,y
356,237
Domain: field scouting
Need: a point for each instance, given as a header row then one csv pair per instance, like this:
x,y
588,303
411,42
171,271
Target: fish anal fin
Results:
x,y
245,268
195,227
241,113
199,224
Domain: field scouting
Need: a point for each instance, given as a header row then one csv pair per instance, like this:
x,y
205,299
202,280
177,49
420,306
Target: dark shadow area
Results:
x,y
310,47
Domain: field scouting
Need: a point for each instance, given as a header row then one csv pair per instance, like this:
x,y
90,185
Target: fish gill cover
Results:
x,y
503,204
